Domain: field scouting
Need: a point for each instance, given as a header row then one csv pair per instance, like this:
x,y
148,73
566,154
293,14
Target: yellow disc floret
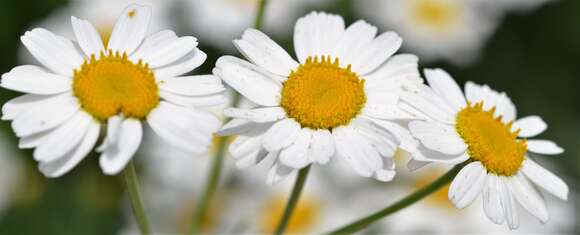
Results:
x,y
322,95
114,85
491,141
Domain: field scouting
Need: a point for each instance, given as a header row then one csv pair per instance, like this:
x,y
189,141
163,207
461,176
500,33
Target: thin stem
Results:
x,y
216,167
403,203
132,183
293,200
260,15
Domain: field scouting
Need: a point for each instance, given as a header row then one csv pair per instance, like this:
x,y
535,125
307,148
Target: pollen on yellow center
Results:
x,y
491,141
306,215
320,94
436,13
114,85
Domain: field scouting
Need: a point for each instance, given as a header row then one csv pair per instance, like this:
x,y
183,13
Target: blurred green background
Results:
x,y
534,57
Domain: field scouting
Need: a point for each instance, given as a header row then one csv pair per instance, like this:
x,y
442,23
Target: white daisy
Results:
x,y
480,128
339,99
134,78
452,30
218,21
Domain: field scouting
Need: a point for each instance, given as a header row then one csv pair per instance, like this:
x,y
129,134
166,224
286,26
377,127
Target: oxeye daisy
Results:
x,y
481,129
339,98
452,30
86,86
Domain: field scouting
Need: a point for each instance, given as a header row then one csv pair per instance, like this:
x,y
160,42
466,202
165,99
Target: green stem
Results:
x,y
403,203
216,167
260,15
294,196
132,184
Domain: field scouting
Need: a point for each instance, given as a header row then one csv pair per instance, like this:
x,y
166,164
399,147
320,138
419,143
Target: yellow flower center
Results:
x,y
322,95
305,217
436,13
114,85
491,141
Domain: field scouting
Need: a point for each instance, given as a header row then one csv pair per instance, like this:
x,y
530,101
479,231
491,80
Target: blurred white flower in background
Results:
x,y
218,22
11,172
451,30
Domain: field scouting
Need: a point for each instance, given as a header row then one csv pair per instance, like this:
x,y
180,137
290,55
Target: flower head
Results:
x,y
339,98
481,128
121,84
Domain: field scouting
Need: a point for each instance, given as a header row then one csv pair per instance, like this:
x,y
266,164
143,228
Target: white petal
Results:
x,y
382,141
422,153
35,80
31,141
528,196
398,67
54,52
249,80
316,34
193,101
156,40
184,128
192,85
87,36
13,108
322,146
296,155
47,116
237,126
115,156
545,179
424,100
530,126
259,115
389,112
264,52
491,98
387,173
509,205
247,151
278,172
182,66
444,85
544,147
281,135
64,138
467,184
376,52
165,52
65,164
359,154
438,137
491,195
130,29
356,37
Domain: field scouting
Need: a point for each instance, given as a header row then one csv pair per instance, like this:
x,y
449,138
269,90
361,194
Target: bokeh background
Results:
x,y
527,48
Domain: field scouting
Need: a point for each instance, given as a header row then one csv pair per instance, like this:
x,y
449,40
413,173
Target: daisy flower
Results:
x,y
339,98
481,129
452,30
86,86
